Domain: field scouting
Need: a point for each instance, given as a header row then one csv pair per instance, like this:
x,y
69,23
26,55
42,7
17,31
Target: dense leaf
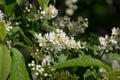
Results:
x,y
2,31
90,75
18,71
13,31
9,9
94,39
82,61
8,2
26,39
43,3
5,62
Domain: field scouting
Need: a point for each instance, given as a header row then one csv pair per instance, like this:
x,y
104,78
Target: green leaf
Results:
x,y
18,71
94,39
115,56
62,58
48,27
2,1
2,31
90,75
7,2
54,2
20,44
26,39
13,31
9,9
83,61
20,2
43,3
112,75
5,62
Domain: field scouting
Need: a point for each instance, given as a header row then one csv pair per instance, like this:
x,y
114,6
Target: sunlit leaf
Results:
x,y
18,71
5,62
2,31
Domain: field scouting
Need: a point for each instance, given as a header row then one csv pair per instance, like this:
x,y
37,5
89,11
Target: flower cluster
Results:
x,y
40,69
37,68
50,12
57,41
110,43
6,23
71,6
73,27
33,14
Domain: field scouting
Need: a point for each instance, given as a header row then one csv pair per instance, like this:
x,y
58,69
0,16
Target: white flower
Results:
x,y
71,6
115,31
113,40
46,61
50,12
57,41
69,11
8,25
74,1
104,41
1,15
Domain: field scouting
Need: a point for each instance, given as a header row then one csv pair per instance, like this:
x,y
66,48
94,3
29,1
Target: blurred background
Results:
x,y
102,14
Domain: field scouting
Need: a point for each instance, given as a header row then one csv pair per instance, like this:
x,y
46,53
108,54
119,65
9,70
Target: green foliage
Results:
x,y
5,62
82,61
114,56
18,70
20,2
9,9
74,56
54,2
62,75
113,75
43,3
2,31
65,75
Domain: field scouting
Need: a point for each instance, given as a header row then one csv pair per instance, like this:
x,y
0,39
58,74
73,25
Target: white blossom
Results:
x,y
112,42
8,25
50,12
57,41
115,31
104,41
46,61
71,6
1,15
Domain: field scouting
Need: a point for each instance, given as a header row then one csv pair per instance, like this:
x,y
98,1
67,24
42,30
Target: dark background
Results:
x,y
102,14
